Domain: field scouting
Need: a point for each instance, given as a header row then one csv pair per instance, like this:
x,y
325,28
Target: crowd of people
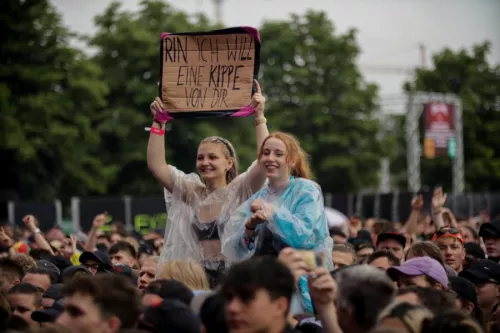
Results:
x,y
253,253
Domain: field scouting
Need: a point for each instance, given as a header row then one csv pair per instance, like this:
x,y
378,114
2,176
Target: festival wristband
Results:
x,y
248,228
260,120
155,130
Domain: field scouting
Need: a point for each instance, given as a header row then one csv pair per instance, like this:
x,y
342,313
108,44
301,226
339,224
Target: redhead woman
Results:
x,y
288,211
199,204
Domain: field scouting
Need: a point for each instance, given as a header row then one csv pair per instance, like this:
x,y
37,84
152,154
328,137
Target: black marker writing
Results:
x,y
175,48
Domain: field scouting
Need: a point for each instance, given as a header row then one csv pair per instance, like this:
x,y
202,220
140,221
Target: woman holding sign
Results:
x,y
288,211
200,204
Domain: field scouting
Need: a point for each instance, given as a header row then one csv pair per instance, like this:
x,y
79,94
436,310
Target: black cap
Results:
x,y
474,250
464,288
97,256
365,235
126,271
54,271
483,271
337,231
73,269
392,235
171,316
360,244
171,289
54,291
147,249
59,261
491,229
48,314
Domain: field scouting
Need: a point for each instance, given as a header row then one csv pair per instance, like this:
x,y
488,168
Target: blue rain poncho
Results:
x,y
298,220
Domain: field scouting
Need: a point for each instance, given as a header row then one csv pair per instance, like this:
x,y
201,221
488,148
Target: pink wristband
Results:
x,y
157,131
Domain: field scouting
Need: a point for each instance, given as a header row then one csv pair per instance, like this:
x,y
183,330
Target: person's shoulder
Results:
x,y
307,185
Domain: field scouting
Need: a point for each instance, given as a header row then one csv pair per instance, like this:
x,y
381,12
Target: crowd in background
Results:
x,y
433,273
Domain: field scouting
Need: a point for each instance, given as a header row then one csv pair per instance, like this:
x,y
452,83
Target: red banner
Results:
x,y
439,125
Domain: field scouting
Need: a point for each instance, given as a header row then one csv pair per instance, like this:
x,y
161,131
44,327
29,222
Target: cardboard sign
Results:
x,y
210,73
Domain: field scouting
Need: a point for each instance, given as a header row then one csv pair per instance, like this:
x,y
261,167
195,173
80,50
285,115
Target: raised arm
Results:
x,y
156,147
257,176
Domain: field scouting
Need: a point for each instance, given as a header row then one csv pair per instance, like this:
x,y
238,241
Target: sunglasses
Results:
x,y
447,231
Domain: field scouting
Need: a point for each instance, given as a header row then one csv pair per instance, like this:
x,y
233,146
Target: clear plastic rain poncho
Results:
x,y
196,217
298,221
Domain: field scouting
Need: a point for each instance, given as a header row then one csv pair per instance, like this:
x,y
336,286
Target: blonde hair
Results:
x,y
452,320
413,316
294,153
425,249
25,261
132,241
188,272
230,154
153,259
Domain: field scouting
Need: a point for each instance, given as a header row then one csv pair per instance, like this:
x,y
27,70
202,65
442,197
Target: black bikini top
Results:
x,y
206,231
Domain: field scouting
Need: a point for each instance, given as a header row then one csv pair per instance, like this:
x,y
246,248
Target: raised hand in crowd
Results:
x,y
417,203
31,224
294,261
5,240
411,226
98,222
438,201
323,290
156,106
258,100
68,248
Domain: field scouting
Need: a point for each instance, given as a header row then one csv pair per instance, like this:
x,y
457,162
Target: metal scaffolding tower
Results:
x,y
415,108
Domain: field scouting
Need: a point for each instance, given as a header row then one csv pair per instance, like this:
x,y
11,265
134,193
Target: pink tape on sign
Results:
x,y
163,116
252,31
245,112
165,34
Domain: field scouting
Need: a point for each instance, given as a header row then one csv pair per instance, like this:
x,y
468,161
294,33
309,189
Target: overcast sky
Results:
x,y
389,30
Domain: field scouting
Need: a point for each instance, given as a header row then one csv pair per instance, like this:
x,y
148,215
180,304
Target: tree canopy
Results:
x,y
50,97
468,74
316,92
72,123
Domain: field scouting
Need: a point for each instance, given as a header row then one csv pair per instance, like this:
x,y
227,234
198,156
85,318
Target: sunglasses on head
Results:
x,y
447,231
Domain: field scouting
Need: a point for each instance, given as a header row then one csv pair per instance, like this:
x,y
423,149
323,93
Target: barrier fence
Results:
x,y
143,214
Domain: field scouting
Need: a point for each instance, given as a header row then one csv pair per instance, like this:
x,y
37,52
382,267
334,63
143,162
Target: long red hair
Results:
x,y
293,153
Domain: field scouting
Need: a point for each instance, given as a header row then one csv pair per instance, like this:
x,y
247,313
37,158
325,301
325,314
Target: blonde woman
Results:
x,y
200,204
188,272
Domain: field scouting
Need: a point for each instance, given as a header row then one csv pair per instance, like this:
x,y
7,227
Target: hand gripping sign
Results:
x,y
209,74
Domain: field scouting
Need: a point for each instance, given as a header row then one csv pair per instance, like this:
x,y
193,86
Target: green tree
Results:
x,y
128,47
49,97
315,90
469,74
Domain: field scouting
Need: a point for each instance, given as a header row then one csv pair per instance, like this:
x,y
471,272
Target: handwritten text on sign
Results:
x,y
207,72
